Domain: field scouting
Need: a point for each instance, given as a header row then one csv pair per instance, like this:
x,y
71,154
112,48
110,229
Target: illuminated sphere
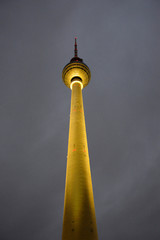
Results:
x,y
76,69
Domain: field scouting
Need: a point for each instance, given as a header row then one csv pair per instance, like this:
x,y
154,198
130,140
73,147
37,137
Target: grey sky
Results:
x,y
120,42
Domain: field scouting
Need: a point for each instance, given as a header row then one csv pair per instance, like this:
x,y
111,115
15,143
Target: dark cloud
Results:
x,y
119,40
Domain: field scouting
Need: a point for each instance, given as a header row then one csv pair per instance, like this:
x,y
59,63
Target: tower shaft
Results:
x,y
79,221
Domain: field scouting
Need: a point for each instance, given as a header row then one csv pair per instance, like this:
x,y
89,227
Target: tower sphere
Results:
x,y
76,70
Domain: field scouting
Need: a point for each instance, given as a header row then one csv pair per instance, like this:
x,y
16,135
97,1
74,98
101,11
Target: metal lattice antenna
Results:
x,y
75,48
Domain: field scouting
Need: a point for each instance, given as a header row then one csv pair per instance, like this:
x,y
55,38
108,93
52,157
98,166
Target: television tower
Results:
x,y
79,220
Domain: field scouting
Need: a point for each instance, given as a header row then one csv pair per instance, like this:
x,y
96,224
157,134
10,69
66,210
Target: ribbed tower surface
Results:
x,y
79,220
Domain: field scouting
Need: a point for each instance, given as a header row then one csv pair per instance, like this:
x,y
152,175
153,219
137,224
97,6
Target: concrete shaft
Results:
x,y
79,221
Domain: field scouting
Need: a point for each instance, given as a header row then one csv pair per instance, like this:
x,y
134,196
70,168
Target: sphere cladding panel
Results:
x,y
72,70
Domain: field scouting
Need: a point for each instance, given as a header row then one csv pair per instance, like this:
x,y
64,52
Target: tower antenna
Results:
x,y
75,48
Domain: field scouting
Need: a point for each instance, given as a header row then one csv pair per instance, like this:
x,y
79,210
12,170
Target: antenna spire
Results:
x,y
75,48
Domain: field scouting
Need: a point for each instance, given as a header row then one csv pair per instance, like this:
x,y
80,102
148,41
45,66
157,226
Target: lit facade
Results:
x,y
79,220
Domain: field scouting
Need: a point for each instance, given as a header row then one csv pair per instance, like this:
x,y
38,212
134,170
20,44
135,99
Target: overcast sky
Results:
x,y
120,42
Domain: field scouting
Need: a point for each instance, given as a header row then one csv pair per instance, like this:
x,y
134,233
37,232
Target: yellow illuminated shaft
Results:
x,y
79,221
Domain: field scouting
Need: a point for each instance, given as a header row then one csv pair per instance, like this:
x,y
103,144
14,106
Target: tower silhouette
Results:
x,y
79,220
